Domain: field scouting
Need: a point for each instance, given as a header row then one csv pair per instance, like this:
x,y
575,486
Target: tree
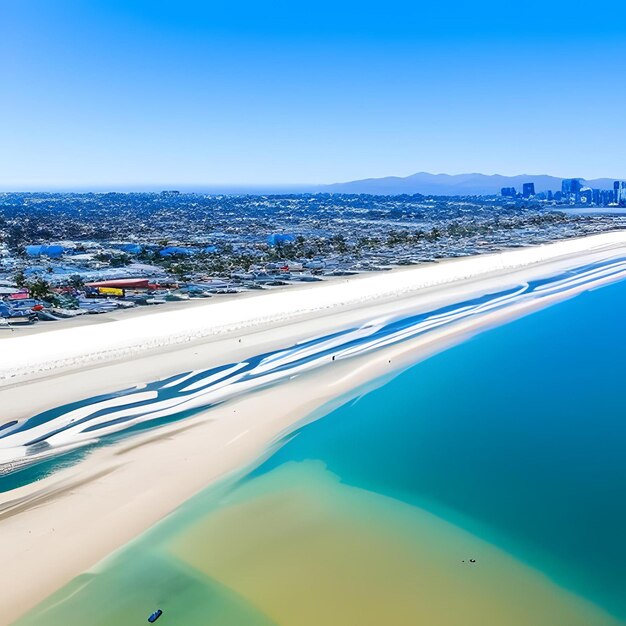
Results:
x,y
339,243
120,260
39,289
20,278
76,281
180,269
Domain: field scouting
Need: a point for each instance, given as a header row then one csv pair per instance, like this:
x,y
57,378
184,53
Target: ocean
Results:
x,y
485,485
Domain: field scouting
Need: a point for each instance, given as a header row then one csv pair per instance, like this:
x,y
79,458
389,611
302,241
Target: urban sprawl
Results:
x,y
68,254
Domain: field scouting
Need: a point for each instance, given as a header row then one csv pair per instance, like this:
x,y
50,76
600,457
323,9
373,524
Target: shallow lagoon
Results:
x,y
507,449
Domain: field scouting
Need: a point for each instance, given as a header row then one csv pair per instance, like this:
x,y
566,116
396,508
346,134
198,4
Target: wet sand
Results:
x,y
53,530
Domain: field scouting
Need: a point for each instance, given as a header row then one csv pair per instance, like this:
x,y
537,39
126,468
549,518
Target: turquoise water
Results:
x,y
518,435
35,446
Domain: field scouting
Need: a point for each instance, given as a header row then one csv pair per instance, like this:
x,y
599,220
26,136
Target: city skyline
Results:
x,y
424,183
148,94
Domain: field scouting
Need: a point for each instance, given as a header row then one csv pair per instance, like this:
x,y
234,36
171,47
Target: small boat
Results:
x,y
155,616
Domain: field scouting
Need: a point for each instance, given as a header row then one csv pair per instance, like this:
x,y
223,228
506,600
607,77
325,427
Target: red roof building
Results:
x,y
123,283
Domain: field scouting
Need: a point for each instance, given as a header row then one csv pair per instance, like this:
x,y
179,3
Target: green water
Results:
x,y
510,445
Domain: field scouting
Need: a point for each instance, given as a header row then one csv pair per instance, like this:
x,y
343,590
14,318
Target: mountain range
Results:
x,y
454,185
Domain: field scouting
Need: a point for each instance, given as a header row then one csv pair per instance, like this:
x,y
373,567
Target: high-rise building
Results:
x,y
607,197
619,192
586,195
571,186
528,190
508,192
597,197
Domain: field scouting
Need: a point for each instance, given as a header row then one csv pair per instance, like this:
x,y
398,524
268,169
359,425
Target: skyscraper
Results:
x,y
528,190
586,195
571,186
597,197
619,189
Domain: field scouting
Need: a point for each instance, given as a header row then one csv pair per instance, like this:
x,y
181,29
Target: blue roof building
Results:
x,y
54,252
280,238
176,251
34,251
132,248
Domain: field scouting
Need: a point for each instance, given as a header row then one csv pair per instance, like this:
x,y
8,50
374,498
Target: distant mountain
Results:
x,y
456,185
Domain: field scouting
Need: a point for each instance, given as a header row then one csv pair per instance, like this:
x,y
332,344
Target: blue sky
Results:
x,y
132,93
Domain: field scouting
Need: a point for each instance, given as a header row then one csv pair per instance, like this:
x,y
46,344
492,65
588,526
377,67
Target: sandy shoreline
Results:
x,y
28,357
52,530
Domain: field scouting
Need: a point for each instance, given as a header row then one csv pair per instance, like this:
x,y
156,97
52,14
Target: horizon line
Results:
x,y
119,187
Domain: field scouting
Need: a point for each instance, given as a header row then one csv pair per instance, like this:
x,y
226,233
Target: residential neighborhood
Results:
x,y
64,255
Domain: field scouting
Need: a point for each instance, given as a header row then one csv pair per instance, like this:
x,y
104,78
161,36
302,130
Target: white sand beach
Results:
x,y
56,528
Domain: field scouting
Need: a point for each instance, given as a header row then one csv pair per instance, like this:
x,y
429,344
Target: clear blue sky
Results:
x,y
117,93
